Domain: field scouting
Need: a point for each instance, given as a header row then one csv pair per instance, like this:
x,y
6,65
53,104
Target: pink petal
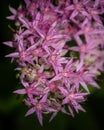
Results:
x,y
84,86
12,17
64,91
30,111
44,98
20,91
71,111
57,77
27,2
13,55
79,107
53,116
24,22
10,44
12,10
40,118
73,14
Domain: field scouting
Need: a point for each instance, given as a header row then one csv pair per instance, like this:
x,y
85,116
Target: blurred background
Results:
x,y
12,109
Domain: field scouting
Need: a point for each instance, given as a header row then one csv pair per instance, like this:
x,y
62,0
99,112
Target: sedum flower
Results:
x,y
39,107
59,49
73,98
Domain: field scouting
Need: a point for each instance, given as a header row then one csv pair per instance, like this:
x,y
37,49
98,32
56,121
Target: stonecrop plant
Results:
x,y
59,51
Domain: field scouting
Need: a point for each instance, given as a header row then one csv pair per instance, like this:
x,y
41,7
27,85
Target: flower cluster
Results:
x,y
59,50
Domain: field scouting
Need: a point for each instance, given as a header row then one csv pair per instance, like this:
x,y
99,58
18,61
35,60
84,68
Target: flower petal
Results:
x,y
30,111
20,91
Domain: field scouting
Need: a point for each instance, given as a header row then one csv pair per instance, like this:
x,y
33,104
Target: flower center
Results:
x,y
83,49
52,86
71,96
39,106
29,89
39,75
65,74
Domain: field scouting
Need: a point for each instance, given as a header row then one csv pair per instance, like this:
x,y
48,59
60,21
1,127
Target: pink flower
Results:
x,y
59,51
39,107
64,73
73,98
16,13
55,58
30,90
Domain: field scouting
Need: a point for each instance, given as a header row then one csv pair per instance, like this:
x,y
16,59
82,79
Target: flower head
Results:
x,y
59,50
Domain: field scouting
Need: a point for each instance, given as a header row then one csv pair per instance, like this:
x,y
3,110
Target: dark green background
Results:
x,y
12,110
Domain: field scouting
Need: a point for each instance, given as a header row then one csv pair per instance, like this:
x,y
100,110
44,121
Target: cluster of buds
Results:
x,y
59,51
